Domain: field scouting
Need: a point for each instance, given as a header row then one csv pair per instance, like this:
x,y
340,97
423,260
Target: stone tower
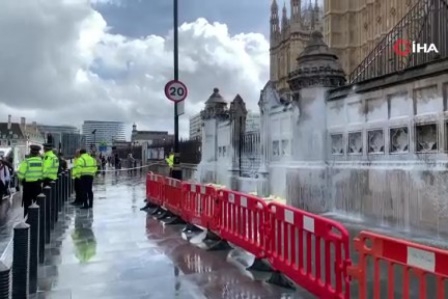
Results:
x,y
238,115
290,38
215,110
318,69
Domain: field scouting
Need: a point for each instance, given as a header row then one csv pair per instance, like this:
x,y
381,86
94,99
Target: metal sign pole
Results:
x,y
177,172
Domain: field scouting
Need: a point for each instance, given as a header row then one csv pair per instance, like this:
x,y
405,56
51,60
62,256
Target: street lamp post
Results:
x,y
176,173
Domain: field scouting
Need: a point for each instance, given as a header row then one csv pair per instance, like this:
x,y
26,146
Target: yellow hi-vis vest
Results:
x,y
51,166
75,174
86,165
31,169
170,160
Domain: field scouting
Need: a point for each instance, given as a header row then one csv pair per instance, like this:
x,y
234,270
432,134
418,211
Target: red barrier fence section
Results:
x,y
422,261
201,205
156,191
311,250
296,250
243,221
173,196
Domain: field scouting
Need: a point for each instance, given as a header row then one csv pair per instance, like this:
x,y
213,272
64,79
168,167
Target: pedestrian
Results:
x,y
51,165
5,179
62,163
77,182
30,173
87,168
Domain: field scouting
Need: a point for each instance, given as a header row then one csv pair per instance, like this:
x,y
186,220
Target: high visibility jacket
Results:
x,y
31,169
75,174
51,166
170,160
86,165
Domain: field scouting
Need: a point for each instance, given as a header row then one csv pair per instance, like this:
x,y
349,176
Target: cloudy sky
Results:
x,y
65,61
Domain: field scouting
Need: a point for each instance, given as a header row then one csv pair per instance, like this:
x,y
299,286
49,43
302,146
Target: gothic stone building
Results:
x,y
289,38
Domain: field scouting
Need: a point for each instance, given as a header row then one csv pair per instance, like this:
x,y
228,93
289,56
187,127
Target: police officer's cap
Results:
x,y
48,146
35,148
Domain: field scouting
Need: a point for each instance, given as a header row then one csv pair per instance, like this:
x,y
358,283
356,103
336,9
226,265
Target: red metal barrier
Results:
x,y
201,205
148,185
422,261
243,221
155,192
302,246
173,196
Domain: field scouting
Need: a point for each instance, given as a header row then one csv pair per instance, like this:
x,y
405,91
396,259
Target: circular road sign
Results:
x,y
176,91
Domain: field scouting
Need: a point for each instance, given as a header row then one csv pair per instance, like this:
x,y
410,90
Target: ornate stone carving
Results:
x,y
376,142
355,143
427,138
337,144
399,140
317,66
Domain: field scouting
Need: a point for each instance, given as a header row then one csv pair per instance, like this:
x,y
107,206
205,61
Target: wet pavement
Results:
x,y
115,251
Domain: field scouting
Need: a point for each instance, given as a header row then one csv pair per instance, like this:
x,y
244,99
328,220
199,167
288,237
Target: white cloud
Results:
x,y
59,64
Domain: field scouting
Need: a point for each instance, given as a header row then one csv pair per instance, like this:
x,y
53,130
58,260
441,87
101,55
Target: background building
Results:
x,y
103,132
195,127
19,136
67,139
289,36
352,29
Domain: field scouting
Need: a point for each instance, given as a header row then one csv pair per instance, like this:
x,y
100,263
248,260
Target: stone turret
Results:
x,y
215,107
316,66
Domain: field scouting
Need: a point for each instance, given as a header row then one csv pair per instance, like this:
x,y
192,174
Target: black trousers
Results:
x,y
46,182
78,191
87,192
30,192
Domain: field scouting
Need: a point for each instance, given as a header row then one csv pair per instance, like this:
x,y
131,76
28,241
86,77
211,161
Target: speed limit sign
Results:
x,y
176,91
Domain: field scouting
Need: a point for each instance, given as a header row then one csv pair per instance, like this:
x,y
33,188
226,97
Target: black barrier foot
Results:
x,y
280,280
161,214
153,211
260,266
213,245
190,228
173,220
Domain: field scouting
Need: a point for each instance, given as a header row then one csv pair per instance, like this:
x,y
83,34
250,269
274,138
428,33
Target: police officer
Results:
x,y
170,161
51,165
86,168
31,173
76,177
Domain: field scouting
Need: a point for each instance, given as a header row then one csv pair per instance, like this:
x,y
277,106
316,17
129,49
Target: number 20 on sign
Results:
x,y
176,91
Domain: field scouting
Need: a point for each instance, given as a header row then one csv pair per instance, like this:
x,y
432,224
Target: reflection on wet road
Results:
x,y
115,251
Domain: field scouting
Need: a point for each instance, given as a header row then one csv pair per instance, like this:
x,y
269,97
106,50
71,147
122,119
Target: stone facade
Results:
x,y
377,149
352,28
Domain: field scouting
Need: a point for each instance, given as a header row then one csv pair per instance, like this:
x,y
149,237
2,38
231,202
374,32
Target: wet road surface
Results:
x,y
115,251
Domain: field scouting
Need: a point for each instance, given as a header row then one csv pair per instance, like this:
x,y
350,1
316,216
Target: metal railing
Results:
x,y
425,23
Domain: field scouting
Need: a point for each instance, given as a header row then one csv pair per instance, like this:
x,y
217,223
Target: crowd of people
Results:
x,y
39,170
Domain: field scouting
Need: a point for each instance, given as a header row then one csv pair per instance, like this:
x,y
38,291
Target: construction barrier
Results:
x,y
310,250
201,206
173,196
156,191
420,261
300,248
244,221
